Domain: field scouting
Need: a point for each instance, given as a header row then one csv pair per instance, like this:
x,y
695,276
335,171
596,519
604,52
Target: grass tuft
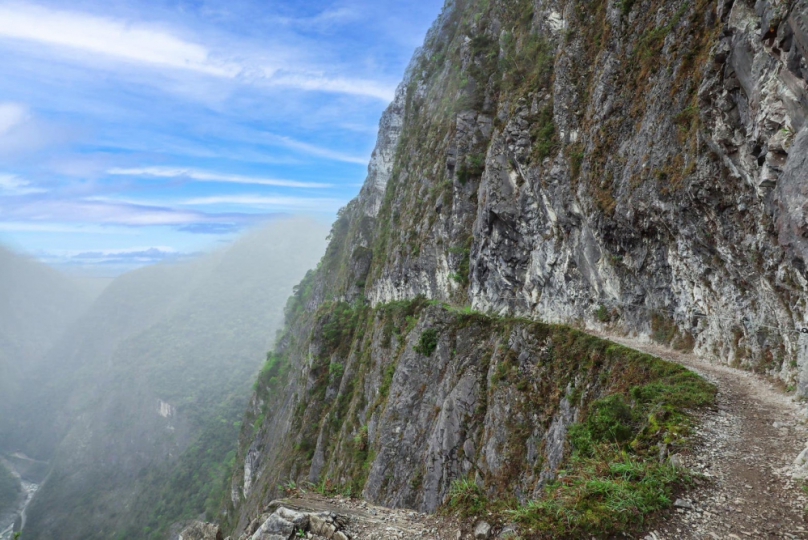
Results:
x,y
602,497
467,499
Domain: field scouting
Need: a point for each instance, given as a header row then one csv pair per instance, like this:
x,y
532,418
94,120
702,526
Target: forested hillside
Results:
x,y
37,305
145,394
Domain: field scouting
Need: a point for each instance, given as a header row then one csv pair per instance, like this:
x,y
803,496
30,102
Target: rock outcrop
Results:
x,y
200,531
637,166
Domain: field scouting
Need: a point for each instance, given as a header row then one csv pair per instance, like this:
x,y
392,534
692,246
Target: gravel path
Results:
x,y
746,450
361,520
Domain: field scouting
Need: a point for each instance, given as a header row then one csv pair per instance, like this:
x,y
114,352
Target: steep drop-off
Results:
x,y
636,166
37,305
146,392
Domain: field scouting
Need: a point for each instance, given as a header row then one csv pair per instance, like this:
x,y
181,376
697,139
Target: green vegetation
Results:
x,y
543,133
605,496
602,314
428,342
625,6
630,404
613,478
463,253
651,42
467,499
10,489
387,381
527,63
196,484
273,374
471,168
341,321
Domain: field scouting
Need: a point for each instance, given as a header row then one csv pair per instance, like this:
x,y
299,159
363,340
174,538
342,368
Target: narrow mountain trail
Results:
x,y
743,452
745,448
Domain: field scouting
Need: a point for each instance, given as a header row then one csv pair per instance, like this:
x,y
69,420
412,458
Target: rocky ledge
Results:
x,y
309,515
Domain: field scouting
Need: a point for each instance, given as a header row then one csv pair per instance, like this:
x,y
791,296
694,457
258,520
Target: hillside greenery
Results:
x,y
155,380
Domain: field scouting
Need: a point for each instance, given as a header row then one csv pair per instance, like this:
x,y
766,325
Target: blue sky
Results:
x,y
141,130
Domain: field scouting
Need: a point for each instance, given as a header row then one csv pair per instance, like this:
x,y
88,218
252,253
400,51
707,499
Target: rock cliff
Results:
x,y
632,165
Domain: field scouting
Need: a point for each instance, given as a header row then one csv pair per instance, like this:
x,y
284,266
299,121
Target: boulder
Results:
x,y
201,531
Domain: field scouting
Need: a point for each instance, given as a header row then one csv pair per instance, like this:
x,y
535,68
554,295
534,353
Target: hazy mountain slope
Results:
x,y
637,166
37,305
163,355
9,489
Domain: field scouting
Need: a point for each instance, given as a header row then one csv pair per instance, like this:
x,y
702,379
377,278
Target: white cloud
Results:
x,y
168,250
319,83
108,37
316,150
272,202
21,132
20,226
14,185
11,116
153,46
203,176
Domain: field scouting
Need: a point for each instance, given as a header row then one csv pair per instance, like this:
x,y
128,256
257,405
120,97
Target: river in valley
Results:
x,y
31,474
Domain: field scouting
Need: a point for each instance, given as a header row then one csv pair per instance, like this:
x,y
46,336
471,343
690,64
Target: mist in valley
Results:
x,y
121,408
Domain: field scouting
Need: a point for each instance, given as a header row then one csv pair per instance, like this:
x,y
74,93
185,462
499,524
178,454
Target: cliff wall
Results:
x,y
629,165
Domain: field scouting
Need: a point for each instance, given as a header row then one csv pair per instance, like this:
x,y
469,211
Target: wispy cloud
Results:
x,y
27,227
11,116
21,133
315,150
11,185
59,215
100,212
158,47
320,83
108,37
129,257
211,228
308,203
204,176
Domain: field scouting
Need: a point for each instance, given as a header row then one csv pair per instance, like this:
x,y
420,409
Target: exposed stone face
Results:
x,y
201,531
637,165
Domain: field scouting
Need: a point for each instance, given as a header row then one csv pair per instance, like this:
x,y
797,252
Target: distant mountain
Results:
x,y
37,305
149,386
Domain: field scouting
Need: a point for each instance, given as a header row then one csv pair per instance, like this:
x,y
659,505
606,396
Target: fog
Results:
x,y
121,408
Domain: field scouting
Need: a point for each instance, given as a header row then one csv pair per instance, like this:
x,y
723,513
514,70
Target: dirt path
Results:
x,y
360,520
746,450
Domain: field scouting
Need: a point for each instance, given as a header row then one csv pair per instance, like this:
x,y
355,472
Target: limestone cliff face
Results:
x,y
634,164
